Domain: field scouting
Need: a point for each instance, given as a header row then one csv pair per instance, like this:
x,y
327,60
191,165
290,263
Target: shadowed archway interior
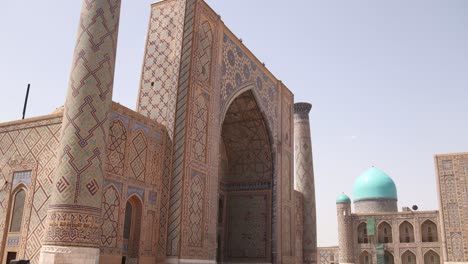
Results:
x,y
245,188
132,229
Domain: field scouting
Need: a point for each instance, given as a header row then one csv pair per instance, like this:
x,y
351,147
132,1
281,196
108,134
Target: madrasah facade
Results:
x,y
200,172
377,232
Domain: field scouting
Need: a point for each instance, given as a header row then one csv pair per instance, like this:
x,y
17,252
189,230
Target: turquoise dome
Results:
x,y
343,198
374,183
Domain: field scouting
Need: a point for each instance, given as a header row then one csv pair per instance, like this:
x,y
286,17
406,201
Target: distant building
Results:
x,y
452,184
377,233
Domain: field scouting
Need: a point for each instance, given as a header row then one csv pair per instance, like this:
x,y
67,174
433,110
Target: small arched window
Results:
x,y
128,220
132,227
384,232
365,258
429,231
17,211
431,257
406,232
408,258
388,258
362,233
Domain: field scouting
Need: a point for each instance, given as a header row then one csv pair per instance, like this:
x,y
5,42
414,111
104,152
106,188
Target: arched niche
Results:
x,y
362,233
132,227
384,232
406,232
429,231
246,180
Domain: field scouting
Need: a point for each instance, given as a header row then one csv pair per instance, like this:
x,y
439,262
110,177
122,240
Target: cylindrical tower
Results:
x,y
345,229
304,179
74,215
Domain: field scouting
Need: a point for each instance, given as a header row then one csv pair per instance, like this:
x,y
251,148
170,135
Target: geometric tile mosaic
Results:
x,y
38,139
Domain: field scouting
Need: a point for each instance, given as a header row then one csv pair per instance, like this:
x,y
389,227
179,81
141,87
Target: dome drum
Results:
x,y
375,206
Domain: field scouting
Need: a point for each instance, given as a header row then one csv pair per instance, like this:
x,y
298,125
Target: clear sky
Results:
x,y
388,80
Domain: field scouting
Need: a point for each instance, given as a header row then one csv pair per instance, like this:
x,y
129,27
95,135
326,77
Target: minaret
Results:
x,y
304,179
74,215
345,229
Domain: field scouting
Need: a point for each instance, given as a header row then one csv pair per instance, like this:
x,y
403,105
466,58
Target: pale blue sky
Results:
x,y
388,80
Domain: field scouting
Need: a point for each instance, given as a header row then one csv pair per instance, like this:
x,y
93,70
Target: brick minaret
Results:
x,y
345,229
304,179
74,215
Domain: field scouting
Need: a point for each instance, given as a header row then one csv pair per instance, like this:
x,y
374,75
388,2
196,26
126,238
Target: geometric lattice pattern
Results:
x,y
247,141
237,71
89,150
110,217
248,156
181,113
158,87
299,227
452,178
88,101
199,128
248,227
327,256
196,211
205,40
160,75
22,144
457,245
116,147
84,129
305,178
137,156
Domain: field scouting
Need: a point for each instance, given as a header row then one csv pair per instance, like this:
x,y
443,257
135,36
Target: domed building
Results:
x,y
376,232
374,191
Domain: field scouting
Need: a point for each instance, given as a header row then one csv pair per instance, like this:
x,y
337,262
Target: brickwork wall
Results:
x,y
135,147
345,233
397,248
135,160
375,206
452,183
194,68
328,255
304,179
299,226
28,145
213,68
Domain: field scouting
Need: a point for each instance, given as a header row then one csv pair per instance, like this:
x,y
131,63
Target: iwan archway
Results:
x,y
245,184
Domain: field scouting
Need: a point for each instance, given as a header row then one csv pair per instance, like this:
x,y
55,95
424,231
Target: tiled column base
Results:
x,y
68,255
203,261
170,260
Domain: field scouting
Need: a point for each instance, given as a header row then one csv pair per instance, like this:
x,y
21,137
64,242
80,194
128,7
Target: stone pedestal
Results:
x,y
74,216
66,255
304,179
171,260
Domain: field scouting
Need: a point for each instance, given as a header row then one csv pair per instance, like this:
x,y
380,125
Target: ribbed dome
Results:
x,y
343,198
374,183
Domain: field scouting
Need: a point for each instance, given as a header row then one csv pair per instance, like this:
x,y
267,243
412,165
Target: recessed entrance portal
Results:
x,y
132,230
245,192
